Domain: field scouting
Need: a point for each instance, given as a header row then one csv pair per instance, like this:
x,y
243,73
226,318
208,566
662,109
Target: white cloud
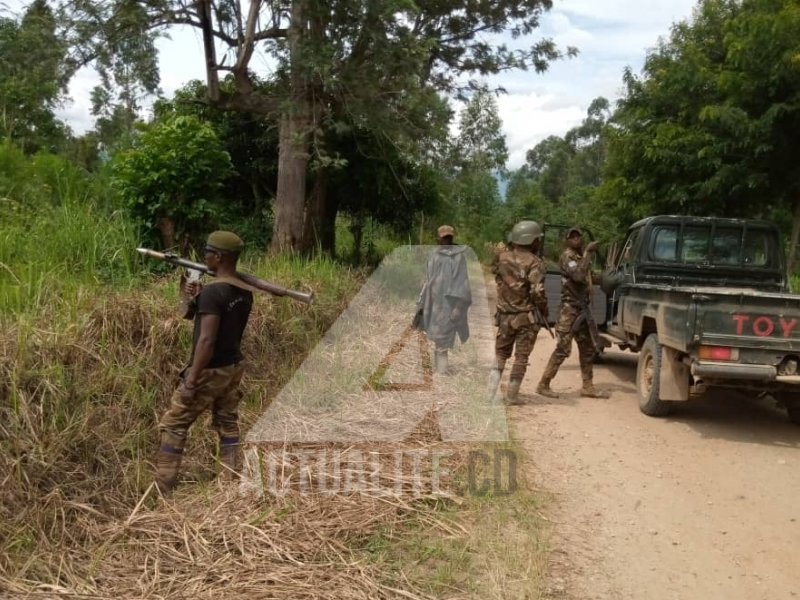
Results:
x,y
609,35
180,61
529,118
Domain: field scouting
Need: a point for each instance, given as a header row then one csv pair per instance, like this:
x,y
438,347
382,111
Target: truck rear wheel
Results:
x,y
648,374
793,410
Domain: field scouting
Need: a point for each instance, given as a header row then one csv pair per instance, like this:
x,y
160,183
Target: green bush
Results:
x,y
175,172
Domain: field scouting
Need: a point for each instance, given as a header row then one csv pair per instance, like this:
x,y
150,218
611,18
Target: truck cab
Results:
x,y
706,303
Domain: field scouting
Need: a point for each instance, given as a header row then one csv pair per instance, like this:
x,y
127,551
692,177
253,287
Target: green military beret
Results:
x,y
227,241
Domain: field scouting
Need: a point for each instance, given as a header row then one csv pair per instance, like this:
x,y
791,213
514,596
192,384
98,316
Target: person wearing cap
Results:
x,y
574,321
521,306
212,378
446,297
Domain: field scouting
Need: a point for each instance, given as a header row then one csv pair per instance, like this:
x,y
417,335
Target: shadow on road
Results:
x,y
737,417
724,414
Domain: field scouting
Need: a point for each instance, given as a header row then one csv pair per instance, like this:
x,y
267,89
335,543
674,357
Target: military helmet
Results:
x,y
525,233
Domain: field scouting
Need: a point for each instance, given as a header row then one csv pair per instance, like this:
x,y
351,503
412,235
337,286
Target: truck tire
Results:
x,y
647,379
793,410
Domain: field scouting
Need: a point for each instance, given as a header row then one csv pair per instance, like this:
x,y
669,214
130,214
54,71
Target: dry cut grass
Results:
x,y
80,394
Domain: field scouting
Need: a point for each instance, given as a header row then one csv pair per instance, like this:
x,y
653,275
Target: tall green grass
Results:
x,y
58,233
90,347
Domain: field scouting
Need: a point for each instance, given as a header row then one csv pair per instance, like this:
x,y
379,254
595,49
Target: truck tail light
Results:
x,y
718,353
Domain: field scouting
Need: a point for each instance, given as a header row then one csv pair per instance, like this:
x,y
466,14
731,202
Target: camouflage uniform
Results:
x,y
575,277
217,390
519,275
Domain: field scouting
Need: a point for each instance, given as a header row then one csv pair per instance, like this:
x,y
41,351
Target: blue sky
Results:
x,y
609,35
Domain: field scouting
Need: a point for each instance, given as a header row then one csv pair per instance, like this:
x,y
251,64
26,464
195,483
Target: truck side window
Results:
x,y
665,244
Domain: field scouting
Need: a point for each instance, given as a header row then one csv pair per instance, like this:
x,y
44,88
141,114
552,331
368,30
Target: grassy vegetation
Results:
x,y
90,345
490,546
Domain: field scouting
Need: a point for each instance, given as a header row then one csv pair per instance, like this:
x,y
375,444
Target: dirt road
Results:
x,y
704,504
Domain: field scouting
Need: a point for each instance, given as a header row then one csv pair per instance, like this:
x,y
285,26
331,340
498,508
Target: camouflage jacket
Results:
x,y
520,281
575,271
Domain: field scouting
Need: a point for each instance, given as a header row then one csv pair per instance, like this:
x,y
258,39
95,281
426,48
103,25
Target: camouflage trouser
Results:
x,y
566,332
515,332
217,389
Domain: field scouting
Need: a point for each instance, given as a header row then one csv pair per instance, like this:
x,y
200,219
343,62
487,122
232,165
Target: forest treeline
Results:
x,y
353,133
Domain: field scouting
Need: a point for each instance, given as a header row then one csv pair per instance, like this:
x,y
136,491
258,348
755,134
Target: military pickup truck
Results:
x,y
705,303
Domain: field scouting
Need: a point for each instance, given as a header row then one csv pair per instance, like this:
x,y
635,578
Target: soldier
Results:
x,y
575,319
446,297
521,305
215,368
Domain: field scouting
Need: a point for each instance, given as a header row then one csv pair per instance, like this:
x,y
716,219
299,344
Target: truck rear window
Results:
x,y
727,246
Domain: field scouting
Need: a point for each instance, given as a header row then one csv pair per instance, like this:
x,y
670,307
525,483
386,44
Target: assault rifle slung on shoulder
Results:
x,y
251,280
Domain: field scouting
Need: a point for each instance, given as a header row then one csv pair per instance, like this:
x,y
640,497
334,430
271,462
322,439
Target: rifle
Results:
x,y
251,280
541,318
586,308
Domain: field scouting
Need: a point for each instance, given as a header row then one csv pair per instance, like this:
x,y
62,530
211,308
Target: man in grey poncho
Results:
x,y
446,296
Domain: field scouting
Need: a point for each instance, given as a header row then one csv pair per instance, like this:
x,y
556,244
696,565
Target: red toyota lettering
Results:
x,y
763,326
787,327
740,321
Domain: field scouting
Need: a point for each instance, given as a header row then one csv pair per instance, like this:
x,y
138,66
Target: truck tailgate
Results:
x,y
747,319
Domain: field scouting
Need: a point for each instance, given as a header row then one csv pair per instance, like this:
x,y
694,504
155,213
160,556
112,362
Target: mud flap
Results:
x,y
674,377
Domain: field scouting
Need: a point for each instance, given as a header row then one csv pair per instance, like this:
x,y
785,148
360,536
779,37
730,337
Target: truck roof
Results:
x,y
700,220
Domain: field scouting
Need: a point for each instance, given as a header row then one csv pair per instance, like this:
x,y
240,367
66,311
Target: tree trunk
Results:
x,y
166,228
329,226
316,211
357,229
290,200
288,231
795,234
212,76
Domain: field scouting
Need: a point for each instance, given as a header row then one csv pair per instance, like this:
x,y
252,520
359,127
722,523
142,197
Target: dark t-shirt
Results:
x,y
233,305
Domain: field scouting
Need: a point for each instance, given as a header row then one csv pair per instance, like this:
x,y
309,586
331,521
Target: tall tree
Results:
x,y
479,152
549,162
712,123
559,182
481,144
369,60
32,78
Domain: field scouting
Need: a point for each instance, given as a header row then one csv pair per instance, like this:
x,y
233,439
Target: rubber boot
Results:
x,y
543,389
168,463
512,392
494,380
229,458
441,361
589,391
